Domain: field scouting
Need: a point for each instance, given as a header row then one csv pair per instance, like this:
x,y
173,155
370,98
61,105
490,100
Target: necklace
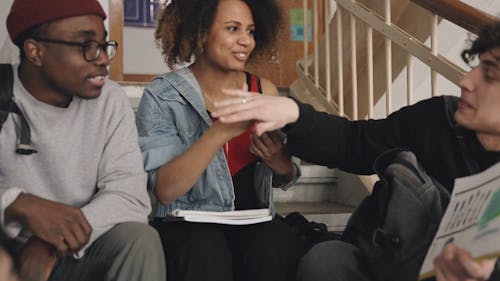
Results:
x,y
208,98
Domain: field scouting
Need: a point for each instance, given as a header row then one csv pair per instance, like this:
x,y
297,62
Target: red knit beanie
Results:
x,y
25,14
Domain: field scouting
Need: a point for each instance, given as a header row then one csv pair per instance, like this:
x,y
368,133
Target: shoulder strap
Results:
x,y
7,78
7,105
253,82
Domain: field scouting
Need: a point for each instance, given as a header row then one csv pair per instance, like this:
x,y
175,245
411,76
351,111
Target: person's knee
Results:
x,y
329,260
136,238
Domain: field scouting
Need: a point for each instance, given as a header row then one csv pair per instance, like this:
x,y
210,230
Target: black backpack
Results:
x,y
310,232
394,226
7,106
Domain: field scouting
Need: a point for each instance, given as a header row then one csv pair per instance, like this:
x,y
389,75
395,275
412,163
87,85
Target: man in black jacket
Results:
x,y
451,138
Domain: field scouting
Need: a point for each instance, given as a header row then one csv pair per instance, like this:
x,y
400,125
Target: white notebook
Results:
x,y
240,217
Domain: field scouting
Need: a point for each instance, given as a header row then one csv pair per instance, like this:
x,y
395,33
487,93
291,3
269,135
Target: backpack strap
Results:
x,y
7,105
6,82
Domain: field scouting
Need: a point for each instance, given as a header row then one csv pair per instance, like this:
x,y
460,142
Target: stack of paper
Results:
x,y
231,217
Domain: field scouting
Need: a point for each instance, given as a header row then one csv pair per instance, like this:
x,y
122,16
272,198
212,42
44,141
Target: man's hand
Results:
x,y
269,112
62,226
456,264
37,260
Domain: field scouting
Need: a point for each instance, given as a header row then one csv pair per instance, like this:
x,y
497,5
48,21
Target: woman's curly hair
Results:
x,y
183,24
488,38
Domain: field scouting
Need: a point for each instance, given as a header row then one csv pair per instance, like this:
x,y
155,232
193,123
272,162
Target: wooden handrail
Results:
x,y
459,13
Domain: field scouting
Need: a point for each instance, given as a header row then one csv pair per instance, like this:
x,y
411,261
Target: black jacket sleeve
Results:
x,y
352,146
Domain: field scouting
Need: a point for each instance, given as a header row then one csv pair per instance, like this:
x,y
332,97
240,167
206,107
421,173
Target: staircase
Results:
x,y
316,197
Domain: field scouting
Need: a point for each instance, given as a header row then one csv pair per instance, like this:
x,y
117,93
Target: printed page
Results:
x,y
471,220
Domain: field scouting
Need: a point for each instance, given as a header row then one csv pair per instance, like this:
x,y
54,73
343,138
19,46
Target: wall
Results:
x,y
140,54
8,51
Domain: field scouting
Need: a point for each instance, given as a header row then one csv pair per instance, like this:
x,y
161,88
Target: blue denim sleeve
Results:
x,y
158,134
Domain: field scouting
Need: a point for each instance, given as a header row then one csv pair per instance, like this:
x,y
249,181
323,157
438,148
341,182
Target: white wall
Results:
x,y
8,51
140,54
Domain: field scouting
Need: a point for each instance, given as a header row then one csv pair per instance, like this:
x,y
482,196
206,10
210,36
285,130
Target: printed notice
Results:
x,y
472,219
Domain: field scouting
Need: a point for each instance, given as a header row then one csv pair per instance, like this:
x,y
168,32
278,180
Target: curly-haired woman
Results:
x,y
197,163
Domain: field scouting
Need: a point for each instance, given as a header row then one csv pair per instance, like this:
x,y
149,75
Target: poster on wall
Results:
x,y
141,13
297,24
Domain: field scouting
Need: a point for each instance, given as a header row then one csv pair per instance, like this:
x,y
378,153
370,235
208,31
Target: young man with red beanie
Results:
x,y
75,199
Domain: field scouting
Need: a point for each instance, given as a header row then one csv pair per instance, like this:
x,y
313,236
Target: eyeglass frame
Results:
x,y
84,46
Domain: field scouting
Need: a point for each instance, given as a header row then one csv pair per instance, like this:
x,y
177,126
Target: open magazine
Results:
x,y
230,217
472,219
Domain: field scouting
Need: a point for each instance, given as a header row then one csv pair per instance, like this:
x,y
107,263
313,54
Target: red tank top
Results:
x,y
237,150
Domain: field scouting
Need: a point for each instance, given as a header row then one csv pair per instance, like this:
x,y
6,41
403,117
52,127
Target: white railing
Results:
x,y
359,14
335,94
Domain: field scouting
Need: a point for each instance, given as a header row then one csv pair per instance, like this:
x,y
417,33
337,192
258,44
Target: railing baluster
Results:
x,y
340,62
316,40
388,60
369,56
306,42
409,79
434,50
354,69
327,51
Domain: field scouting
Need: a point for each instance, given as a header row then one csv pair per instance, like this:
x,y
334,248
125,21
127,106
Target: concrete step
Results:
x,y
316,184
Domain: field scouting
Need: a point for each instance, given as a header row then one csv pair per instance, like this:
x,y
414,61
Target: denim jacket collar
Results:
x,y
184,81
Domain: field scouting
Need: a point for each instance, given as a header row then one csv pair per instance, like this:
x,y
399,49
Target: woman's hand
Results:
x,y
456,264
271,149
231,130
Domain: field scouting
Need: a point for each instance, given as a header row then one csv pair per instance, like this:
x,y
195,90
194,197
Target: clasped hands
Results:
x,y
58,230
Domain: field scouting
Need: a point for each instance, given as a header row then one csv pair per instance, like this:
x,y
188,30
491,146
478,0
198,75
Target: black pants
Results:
x,y
206,252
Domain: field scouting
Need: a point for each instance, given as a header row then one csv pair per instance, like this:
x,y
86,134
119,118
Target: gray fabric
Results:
x,y
88,157
129,251
391,246
332,261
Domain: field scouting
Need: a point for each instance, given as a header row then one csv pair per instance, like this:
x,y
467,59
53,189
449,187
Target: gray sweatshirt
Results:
x,y
88,157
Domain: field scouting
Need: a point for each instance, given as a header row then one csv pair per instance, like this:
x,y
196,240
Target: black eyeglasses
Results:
x,y
90,49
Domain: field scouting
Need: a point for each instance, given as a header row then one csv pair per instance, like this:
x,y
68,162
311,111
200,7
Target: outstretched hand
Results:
x,y
456,264
269,112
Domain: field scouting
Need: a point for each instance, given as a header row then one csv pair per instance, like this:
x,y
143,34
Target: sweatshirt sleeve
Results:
x,y
121,181
353,146
7,197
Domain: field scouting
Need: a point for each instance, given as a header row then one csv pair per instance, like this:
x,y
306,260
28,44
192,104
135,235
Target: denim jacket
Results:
x,y
171,118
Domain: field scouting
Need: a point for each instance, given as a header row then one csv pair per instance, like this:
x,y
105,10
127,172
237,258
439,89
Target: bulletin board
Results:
x,y
141,13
